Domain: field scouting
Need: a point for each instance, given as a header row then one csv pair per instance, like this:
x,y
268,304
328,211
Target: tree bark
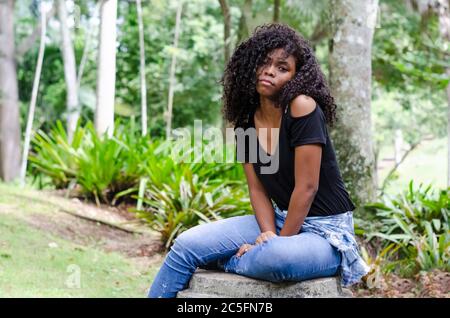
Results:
x,y
352,25
70,73
276,11
9,100
245,22
227,44
34,93
142,69
172,71
29,41
106,77
87,46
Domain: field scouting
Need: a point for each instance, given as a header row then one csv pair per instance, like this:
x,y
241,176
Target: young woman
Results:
x,y
302,227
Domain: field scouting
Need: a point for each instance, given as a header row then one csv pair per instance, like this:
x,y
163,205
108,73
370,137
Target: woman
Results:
x,y
302,227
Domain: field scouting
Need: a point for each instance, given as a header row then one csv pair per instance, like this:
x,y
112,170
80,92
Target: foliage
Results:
x,y
102,166
54,156
176,207
179,195
416,221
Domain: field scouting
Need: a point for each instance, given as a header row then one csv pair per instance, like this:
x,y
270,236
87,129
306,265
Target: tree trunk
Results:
x,y
9,100
245,22
87,46
106,77
142,69
142,181
443,9
30,40
352,26
276,11
34,93
172,71
70,73
227,44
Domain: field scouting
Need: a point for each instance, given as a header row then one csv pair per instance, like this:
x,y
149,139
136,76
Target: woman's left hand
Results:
x,y
265,236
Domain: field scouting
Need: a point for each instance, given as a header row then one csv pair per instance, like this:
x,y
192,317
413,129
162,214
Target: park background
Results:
x,y
90,198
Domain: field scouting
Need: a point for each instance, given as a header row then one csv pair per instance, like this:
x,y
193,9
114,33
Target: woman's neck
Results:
x,y
267,112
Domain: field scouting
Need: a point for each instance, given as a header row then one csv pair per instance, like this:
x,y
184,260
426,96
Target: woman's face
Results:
x,y
274,73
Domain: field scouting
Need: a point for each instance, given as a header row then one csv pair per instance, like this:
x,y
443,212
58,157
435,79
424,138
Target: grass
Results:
x,y
34,263
427,164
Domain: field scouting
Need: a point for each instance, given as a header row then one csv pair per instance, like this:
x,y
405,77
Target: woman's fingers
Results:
x,y
264,237
259,240
240,251
243,249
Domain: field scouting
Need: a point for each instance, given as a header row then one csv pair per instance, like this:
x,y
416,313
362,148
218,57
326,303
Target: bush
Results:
x,y
102,166
417,222
54,156
182,195
178,196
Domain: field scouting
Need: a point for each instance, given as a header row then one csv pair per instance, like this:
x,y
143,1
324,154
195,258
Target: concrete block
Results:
x,y
219,284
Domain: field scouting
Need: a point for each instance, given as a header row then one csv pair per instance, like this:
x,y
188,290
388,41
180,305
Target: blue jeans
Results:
x,y
282,258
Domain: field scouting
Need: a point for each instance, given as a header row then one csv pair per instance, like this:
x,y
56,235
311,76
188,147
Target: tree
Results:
x,y
443,10
245,22
9,105
276,11
106,76
227,43
70,73
142,69
352,25
427,10
37,76
172,71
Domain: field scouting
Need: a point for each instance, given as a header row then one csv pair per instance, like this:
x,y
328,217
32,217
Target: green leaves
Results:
x,y
189,195
103,167
54,156
178,195
416,221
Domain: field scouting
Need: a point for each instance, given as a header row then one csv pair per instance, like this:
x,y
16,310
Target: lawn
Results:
x,y
37,263
427,163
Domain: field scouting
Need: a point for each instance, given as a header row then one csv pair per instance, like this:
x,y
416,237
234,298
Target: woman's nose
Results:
x,y
268,70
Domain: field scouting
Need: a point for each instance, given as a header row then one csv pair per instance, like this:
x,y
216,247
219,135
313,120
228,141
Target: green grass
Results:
x,y
34,263
427,164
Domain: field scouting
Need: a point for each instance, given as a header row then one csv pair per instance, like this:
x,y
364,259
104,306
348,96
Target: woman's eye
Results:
x,y
283,69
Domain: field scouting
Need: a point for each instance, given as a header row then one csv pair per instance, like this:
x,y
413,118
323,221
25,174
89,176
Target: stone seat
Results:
x,y
218,284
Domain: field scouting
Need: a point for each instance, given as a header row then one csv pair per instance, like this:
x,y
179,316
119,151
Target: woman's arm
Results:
x,y
307,172
259,200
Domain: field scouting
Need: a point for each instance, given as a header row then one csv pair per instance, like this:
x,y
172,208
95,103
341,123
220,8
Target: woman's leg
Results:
x,y
288,258
198,246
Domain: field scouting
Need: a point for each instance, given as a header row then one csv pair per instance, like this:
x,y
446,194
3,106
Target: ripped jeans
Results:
x,y
283,258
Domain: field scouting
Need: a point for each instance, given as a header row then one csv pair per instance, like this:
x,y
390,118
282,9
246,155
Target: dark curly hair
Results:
x,y
240,97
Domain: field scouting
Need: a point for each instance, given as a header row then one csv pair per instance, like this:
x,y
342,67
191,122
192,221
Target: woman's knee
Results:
x,y
270,257
187,240
284,258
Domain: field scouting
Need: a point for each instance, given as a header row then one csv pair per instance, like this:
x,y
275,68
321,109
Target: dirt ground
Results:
x,y
424,285
110,229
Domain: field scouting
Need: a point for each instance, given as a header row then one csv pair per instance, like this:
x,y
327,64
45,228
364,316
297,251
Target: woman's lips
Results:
x,y
264,82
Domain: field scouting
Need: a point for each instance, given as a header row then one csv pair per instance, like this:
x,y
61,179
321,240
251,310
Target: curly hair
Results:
x,y
240,98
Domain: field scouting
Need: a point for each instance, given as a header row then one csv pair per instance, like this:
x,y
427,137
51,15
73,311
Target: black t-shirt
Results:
x,y
278,179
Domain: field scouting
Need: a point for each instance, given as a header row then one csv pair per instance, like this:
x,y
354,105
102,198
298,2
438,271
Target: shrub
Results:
x,y
417,221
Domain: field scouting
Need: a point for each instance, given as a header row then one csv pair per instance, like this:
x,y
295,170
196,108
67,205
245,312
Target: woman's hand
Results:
x,y
265,236
244,249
